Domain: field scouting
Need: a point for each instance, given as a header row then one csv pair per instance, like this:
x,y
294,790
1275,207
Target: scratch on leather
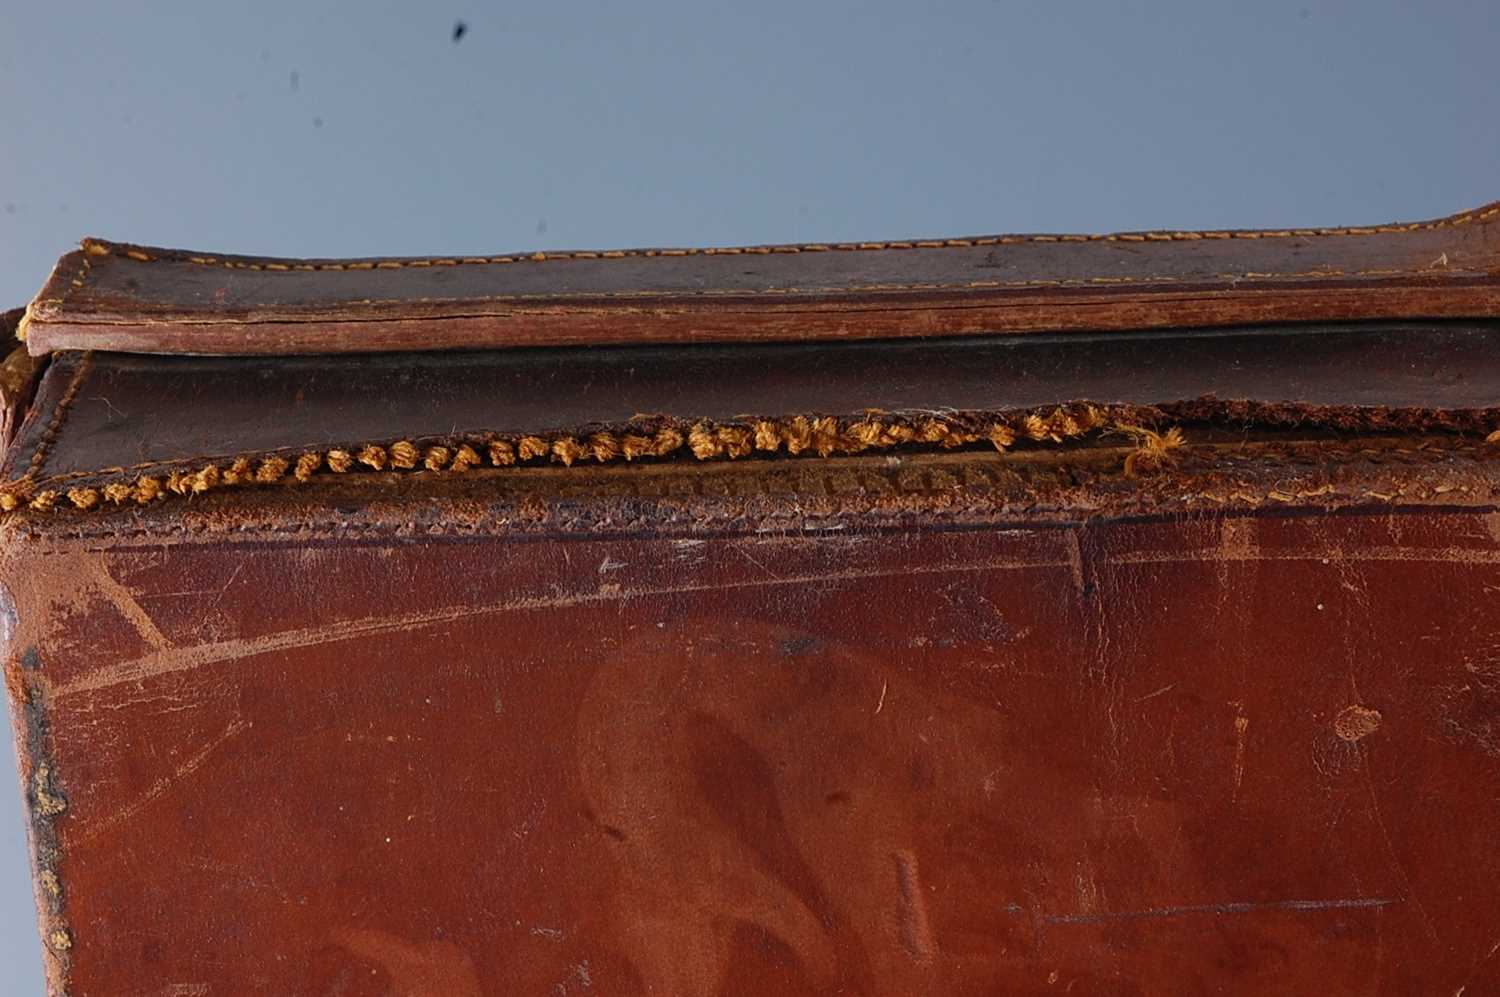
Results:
x,y
177,659
161,785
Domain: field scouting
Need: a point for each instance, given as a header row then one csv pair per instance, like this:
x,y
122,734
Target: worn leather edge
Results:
x,y
18,376
45,802
1438,288
102,247
657,321
1138,441
940,492
1062,486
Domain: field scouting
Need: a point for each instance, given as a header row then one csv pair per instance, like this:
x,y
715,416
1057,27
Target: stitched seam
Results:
x,y
94,247
59,415
76,284
704,440
942,480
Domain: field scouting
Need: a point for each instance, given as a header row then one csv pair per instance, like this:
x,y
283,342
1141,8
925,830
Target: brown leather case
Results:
x,y
1094,615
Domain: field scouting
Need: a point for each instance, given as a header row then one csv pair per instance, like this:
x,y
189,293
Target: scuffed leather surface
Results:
x,y
144,299
1207,753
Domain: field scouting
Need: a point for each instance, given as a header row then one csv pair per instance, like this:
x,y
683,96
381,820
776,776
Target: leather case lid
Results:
x,y
114,296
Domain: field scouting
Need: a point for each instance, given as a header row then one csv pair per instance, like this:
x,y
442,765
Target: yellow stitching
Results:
x,y
271,469
403,455
502,454
436,457
239,472
1153,450
97,248
464,458
823,435
373,457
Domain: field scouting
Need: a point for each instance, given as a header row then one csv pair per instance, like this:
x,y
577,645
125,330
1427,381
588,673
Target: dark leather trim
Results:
x,y
141,299
109,419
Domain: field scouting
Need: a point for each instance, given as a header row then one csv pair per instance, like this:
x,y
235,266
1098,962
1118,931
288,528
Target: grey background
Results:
x,y
363,129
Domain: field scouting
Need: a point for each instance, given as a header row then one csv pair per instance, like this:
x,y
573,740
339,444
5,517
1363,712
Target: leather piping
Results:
x,y
99,247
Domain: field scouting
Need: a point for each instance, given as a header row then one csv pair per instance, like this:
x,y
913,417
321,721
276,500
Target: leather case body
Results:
x,y
366,633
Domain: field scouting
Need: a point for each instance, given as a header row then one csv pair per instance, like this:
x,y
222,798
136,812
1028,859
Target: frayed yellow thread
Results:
x,y
603,447
1036,427
271,469
931,431
737,441
1493,437
944,434
118,492
824,436
796,433
1001,435
147,490
205,479
9,502
703,442
404,455
239,473
567,450
898,433
1153,450
502,454
668,440
339,461
43,501
866,433
306,465
633,445
531,447
178,483
436,458
373,457
464,458
767,436
83,498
